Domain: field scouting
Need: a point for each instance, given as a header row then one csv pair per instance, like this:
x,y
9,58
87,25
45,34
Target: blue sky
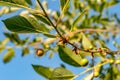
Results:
x,y
20,67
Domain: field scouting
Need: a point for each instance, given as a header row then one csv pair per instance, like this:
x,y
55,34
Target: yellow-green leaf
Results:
x,y
61,74
64,5
21,24
5,41
15,3
86,42
68,56
44,71
9,55
41,18
79,18
2,48
25,51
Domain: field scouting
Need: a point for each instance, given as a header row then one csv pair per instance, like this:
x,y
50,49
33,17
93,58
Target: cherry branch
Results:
x,y
89,69
96,30
66,41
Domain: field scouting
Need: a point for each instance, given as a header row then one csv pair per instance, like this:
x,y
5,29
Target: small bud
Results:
x,y
71,35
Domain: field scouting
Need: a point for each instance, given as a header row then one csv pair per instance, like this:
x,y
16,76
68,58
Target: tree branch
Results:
x,y
90,69
97,30
78,31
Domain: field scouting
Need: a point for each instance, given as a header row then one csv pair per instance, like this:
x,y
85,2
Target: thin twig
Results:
x,y
89,69
100,51
58,20
50,19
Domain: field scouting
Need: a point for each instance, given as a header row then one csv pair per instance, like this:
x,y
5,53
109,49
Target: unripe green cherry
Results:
x,y
84,62
111,61
96,74
117,61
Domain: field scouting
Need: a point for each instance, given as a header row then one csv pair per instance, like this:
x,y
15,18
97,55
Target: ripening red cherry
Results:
x,y
40,52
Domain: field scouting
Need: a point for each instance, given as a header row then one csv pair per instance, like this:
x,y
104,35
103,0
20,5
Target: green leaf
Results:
x,y
14,3
41,28
76,4
2,48
20,2
29,2
50,35
104,21
79,18
44,28
44,71
23,24
102,43
61,74
64,5
110,74
68,56
13,37
9,55
41,18
86,42
24,41
20,24
25,51
5,41
35,24
111,3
